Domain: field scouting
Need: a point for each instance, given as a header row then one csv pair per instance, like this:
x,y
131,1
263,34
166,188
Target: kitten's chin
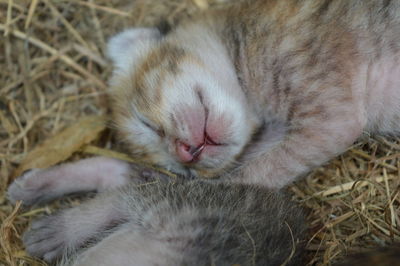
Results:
x,y
196,170
208,173
192,173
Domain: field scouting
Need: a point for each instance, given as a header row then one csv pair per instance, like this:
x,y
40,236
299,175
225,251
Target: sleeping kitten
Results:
x,y
258,92
168,223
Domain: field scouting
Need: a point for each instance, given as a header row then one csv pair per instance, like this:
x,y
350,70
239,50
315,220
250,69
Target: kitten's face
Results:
x,y
171,110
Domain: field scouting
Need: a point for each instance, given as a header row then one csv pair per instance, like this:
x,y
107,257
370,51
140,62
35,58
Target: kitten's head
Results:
x,y
171,109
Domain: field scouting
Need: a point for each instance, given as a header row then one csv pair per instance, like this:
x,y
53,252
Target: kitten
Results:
x,y
260,91
256,92
168,223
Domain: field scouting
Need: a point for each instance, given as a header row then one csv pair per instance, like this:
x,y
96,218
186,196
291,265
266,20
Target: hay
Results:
x,y
53,71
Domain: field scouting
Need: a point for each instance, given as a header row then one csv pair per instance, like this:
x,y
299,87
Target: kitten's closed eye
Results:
x,y
152,126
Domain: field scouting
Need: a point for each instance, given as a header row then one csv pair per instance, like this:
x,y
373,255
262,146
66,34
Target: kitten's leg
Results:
x,y
311,142
127,246
52,236
93,174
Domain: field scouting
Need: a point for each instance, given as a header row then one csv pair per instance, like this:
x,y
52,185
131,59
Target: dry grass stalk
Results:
x,y
54,72
7,230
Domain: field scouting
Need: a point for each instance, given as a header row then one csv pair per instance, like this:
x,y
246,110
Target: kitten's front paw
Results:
x,y
30,188
46,238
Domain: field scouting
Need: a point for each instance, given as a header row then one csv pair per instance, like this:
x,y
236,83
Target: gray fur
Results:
x,y
178,223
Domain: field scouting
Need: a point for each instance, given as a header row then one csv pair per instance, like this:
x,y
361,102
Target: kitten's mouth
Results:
x,y
191,154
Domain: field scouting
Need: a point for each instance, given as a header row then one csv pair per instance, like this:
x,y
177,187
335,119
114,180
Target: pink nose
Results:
x,y
188,153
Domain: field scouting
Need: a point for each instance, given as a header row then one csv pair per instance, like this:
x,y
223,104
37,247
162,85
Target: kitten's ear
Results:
x,y
125,46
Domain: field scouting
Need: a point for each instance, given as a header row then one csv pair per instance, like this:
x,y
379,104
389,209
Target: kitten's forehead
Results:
x,y
150,74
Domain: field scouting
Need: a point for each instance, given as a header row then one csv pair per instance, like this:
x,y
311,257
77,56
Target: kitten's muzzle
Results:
x,y
190,154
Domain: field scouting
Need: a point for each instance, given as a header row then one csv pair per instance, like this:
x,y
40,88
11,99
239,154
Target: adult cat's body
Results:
x,y
269,88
